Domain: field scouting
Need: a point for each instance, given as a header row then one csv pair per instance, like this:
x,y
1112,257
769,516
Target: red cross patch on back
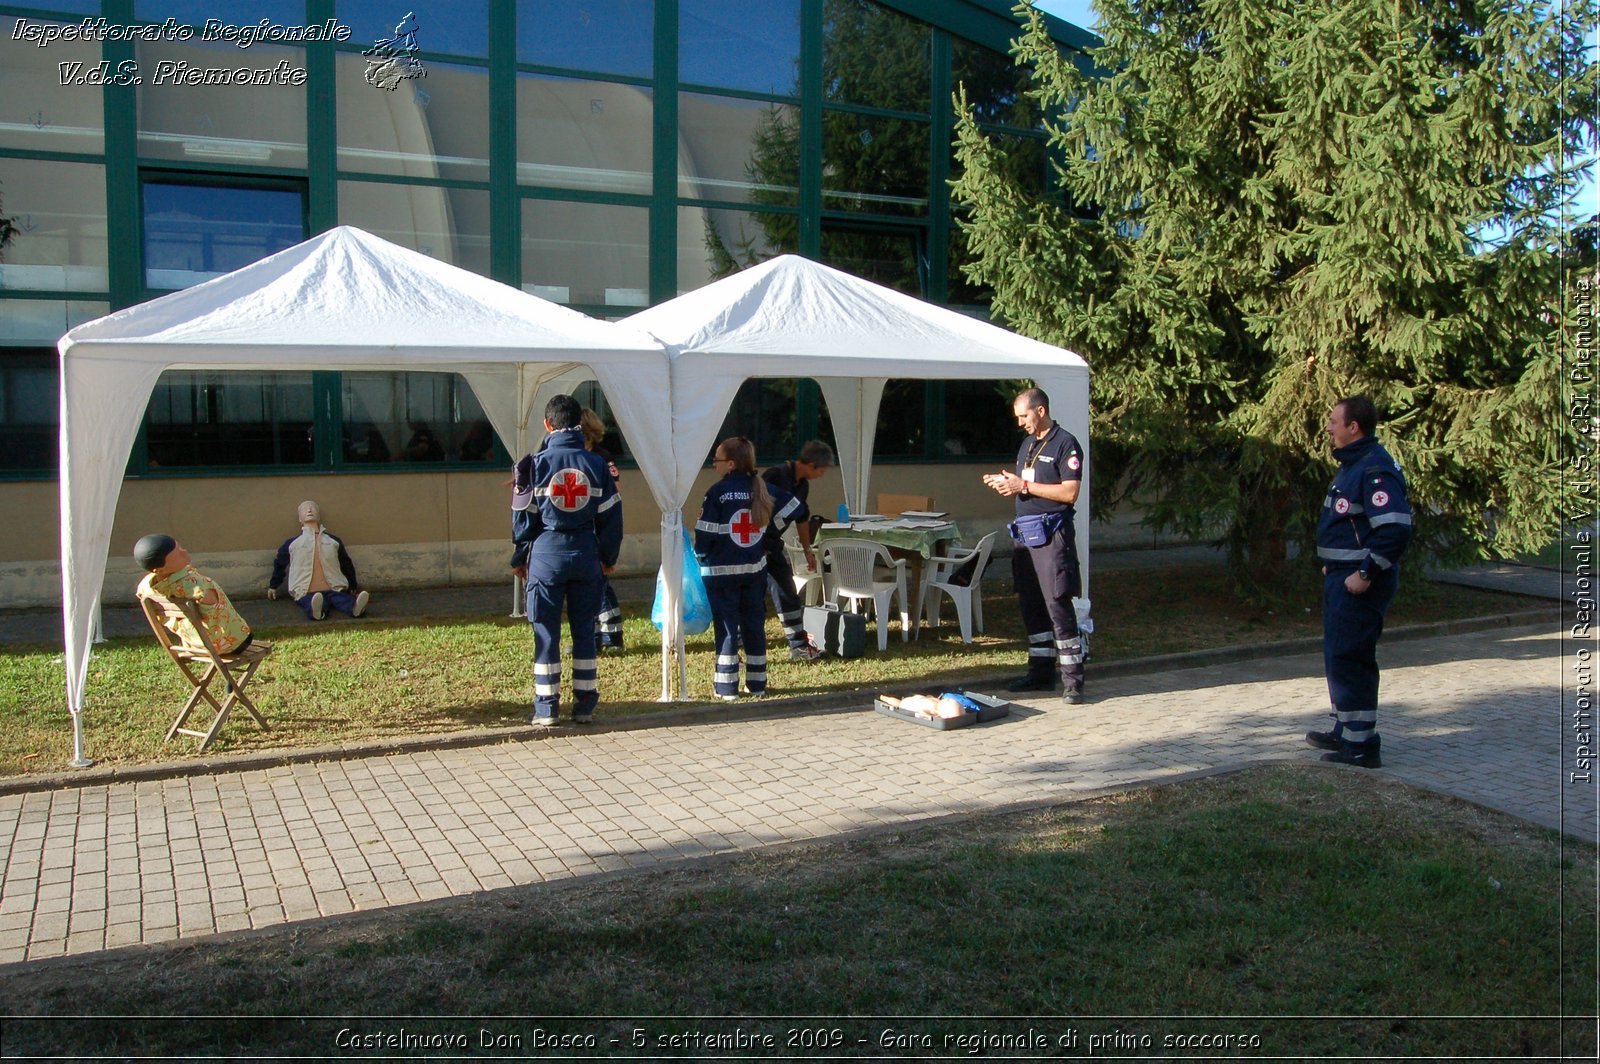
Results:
x,y
744,529
569,490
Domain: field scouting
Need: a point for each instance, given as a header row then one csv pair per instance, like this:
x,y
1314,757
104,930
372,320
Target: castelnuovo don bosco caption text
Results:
x,y
178,71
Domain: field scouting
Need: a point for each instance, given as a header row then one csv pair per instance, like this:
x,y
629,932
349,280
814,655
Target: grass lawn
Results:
x,y
386,679
1238,905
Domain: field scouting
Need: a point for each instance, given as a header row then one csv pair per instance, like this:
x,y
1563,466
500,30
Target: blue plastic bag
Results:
x,y
696,604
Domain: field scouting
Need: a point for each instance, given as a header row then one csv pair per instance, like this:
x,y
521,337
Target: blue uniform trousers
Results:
x,y
610,617
739,617
791,614
1351,625
564,571
1046,579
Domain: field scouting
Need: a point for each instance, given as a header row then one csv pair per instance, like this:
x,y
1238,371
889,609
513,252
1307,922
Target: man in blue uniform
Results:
x,y
794,478
1044,564
566,532
1365,528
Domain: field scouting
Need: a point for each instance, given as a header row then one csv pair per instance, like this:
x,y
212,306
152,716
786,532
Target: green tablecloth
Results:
x,y
894,534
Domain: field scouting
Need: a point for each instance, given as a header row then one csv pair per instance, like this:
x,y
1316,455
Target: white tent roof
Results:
x,y
791,317
342,300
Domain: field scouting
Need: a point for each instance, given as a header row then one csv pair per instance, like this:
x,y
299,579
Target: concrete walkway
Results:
x,y
1479,715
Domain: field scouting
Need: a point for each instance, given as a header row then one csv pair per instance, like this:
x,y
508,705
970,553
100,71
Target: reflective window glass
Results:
x,y
43,321
754,45
977,419
893,257
589,253
217,418
736,149
59,213
450,224
713,244
872,164
414,417
29,410
996,86
460,27
605,36
431,127
43,105
574,133
874,56
766,411
902,421
194,232
255,116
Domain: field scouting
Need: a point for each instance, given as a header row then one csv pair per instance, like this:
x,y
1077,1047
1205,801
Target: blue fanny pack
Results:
x,y
1035,530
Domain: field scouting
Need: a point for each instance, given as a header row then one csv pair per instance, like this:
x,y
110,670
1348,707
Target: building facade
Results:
x,y
603,154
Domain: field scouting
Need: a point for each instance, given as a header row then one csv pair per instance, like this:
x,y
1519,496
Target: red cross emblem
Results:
x,y
1341,506
1380,498
743,529
570,490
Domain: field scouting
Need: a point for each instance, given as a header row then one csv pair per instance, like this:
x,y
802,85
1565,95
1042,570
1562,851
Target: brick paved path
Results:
x,y
1479,715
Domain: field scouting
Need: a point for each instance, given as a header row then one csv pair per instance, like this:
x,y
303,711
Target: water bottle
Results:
x,y
844,514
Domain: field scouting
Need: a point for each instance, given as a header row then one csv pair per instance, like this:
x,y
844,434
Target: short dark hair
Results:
x,y
1359,408
151,551
816,453
563,412
1034,397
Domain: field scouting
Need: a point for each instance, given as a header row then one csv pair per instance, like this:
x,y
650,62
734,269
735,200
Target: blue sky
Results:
x,y
1080,13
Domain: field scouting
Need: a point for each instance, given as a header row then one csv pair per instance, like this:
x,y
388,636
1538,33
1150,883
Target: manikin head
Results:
x,y
309,513
160,554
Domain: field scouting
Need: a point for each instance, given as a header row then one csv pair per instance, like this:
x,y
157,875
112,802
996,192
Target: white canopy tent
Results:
x,y
791,317
342,300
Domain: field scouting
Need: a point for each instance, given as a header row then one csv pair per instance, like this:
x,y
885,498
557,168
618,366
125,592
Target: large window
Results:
x,y
449,224
59,210
413,417
606,36
590,135
42,105
754,45
212,418
430,127
250,124
593,254
29,406
195,231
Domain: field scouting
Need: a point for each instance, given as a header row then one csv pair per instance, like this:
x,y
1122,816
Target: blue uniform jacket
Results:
x,y
781,481
727,540
572,492
1366,517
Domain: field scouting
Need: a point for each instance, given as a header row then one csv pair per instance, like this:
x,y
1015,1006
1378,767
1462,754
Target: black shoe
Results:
x,y
1072,698
1323,740
584,718
1357,756
1032,683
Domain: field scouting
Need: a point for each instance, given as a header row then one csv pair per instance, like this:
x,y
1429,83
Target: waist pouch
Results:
x,y
1035,530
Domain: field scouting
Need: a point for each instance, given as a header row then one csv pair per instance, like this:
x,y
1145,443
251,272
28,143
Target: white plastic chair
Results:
x,y
854,573
968,597
808,585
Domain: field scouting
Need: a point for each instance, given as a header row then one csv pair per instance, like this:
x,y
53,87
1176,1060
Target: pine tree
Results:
x,y
1268,204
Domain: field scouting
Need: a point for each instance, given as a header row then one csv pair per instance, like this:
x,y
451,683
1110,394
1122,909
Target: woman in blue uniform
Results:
x,y
727,540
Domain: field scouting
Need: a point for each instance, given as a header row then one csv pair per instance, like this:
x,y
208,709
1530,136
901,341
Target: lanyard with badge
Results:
x,y
1033,456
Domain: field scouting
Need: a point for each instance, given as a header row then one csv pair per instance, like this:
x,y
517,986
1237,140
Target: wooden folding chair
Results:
x,y
235,669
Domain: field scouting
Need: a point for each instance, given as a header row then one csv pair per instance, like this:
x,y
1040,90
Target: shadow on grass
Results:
x,y
1209,899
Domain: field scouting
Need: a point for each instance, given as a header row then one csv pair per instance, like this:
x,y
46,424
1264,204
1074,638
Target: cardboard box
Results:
x,y
993,709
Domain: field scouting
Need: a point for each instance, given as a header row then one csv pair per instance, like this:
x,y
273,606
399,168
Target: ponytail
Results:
x,y
742,453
